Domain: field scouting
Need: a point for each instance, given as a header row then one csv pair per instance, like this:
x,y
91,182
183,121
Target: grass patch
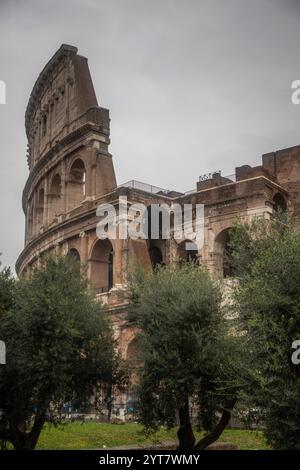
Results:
x,y
72,436
245,440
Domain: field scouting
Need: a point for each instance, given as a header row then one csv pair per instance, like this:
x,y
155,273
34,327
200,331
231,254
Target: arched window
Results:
x,y
55,207
76,184
223,253
102,266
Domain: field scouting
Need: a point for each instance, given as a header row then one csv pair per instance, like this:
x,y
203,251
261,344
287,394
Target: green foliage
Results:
x,y
59,348
185,352
266,258
7,285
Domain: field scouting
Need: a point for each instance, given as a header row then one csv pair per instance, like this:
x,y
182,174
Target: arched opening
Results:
x,y
74,254
102,266
156,257
279,203
187,253
76,184
56,185
55,197
156,246
40,208
223,254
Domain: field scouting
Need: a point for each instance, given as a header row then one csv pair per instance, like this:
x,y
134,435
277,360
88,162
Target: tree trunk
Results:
x,y
109,412
109,402
28,441
5,436
185,432
216,433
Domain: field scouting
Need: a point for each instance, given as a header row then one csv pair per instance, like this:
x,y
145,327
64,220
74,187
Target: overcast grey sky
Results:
x,y
193,86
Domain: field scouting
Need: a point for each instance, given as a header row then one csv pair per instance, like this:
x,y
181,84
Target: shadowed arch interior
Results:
x,y
76,184
54,197
185,254
223,253
102,265
279,203
74,254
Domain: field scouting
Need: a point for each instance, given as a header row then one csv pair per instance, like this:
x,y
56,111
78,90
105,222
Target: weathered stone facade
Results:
x,y
71,173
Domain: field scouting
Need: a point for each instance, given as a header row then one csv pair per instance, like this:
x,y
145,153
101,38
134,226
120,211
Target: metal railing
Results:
x,y
101,290
149,188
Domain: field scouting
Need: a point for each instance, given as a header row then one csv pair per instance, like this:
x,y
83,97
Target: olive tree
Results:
x,y
59,346
188,369
266,260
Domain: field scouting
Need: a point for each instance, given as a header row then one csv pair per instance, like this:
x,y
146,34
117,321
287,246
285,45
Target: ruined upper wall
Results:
x,y
58,104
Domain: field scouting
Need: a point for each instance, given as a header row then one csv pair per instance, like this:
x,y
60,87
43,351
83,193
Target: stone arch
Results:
x,y
185,254
55,187
156,246
54,197
76,184
156,256
279,203
74,254
222,253
102,265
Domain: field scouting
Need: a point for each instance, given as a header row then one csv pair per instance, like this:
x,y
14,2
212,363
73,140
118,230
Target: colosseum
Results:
x,y
71,173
